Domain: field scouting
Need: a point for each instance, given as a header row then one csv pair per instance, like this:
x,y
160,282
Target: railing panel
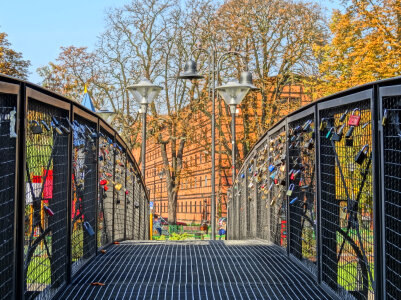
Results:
x,y
45,249
346,198
302,201
106,175
8,138
84,191
391,128
263,203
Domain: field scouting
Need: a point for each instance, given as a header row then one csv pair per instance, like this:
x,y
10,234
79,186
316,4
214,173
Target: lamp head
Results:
x,y
107,115
233,92
190,71
246,78
144,91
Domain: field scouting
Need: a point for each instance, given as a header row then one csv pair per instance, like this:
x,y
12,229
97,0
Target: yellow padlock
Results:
x,y
118,186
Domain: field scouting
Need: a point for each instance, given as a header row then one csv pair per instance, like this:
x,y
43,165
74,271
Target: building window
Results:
x,y
205,180
195,183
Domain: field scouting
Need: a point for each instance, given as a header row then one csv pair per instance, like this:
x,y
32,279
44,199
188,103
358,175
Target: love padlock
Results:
x,y
273,175
294,200
45,125
290,189
36,128
88,228
311,144
323,124
348,135
337,136
58,130
330,133
385,118
282,168
354,119
343,116
271,168
306,126
360,157
295,174
48,211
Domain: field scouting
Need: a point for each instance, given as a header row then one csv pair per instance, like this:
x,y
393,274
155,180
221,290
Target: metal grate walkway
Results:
x,y
193,270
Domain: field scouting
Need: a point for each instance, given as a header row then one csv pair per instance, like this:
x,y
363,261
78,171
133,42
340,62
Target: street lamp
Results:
x,y
233,93
107,115
144,93
191,73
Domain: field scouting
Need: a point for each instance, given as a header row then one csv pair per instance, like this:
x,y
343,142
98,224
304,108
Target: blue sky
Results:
x,y
38,28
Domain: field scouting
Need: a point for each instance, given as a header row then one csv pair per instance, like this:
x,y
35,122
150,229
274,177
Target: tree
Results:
x,y
365,45
277,39
74,68
12,62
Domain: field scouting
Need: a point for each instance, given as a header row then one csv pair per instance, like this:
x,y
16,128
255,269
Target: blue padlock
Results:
x,y
271,168
273,175
242,175
89,228
293,200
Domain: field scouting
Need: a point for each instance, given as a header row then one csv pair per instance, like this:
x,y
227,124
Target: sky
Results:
x,y
38,28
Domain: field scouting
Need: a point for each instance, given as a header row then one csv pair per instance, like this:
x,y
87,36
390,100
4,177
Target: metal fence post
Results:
x,y
378,222
20,192
318,203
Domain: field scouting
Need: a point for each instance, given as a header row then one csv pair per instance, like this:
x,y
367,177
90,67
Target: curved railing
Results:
x,y
69,187
329,193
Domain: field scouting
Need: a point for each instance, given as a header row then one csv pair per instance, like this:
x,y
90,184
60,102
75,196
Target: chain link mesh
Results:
x,y
392,194
8,105
45,205
84,183
347,200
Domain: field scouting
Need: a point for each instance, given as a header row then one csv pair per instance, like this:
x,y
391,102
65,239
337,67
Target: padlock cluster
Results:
x,y
301,188
301,146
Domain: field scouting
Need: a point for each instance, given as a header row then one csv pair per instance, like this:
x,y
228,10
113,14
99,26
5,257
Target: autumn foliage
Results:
x,y
11,61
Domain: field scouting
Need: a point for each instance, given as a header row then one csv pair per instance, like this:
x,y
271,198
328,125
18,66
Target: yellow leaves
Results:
x,y
365,46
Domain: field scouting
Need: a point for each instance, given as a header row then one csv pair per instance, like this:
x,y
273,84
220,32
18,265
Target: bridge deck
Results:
x,y
193,270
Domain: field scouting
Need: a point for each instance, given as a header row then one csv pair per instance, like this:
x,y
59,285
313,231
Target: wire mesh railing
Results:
x,y
69,187
328,190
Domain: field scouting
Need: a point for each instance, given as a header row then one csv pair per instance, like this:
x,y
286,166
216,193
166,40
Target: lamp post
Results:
x,y
191,73
144,93
233,93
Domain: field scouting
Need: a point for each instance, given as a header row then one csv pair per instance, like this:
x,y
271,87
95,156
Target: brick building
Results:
x,y
194,194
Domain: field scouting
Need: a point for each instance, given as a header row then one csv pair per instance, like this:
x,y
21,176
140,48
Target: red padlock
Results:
x,y
292,176
103,182
106,188
275,181
126,192
48,211
354,119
